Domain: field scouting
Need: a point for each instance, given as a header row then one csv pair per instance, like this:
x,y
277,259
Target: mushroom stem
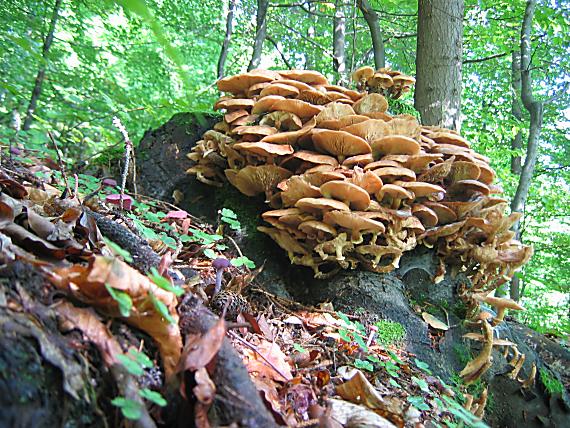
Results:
x,y
219,275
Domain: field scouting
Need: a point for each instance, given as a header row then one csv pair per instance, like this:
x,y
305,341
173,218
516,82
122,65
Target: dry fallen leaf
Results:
x,y
199,350
271,351
353,416
87,283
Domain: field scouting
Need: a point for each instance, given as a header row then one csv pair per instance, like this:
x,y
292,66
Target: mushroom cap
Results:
x,y
445,214
264,104
466,188
395,191
342,122
301,86
380,79
245,120
403,80
301,108
362,74
354,95
316,158
420,162
334,111
486,173
421,189
426,215
499,302
390,174
235,104
314,96
297,187
264,149
371,103
394,145
320,205
282,120
220,263
306,76
381,164
449,138
314,227
347,192
370,129
256,89
353,221
339,143
318,178
241,82
463,170
279,89
253,180
290,137
358,160
258,130
367,180
236,114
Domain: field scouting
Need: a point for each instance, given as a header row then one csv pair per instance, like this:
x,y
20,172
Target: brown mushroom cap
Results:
x,y
318,178
264,104
354,222
389,174
320,205
445,215
297,187
266,150
253,180
367,180
463,170
370,130
358,160
466,188
449,138
290,137
245,120
279,89
371,103
240,83
339,143
421,190
380,79
236,114
317,229
393,195
394,145
282,120
362,74
301,108
334,111
426,215
347,192
338,124
315,158
315,97
235,104
354,95
258,130
306,76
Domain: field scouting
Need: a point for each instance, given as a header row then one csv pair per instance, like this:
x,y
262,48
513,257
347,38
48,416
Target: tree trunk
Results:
x,y
36,92
371,18
227,38
261,30
438,62
516,144
339,59
536,110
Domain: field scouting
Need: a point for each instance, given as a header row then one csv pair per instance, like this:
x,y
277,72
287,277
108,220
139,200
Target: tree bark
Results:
x,y
371,18
36,92
439,62
227,38
535,109
261,30
339,59
516,143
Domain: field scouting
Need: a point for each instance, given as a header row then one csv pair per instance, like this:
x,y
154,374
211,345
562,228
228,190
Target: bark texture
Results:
x,y
227,38
516,110
37,91
371,18
339,59
439,62
535,109
260,32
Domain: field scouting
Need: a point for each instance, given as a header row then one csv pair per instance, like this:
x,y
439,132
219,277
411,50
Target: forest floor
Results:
x,y
135,316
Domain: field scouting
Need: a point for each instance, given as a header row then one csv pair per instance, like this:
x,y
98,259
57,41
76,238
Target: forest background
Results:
x,y
69,66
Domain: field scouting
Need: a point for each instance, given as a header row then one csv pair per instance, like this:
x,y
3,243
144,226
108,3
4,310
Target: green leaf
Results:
x,y
129,408
394,383
153,396
418,402
299,348
118,250
243,261
363,364
132,366
164,283
122,298
422,366
162,309
226,212
421,383
208,252
141,358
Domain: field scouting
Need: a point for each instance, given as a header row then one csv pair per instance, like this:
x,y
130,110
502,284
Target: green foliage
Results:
x,y
129,408
164,283
230,217
122,298
390,332
550,382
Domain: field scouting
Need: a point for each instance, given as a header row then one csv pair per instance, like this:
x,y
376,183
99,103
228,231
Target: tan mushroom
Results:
x,y
501,304
279,89
318,206
241,82
306,76
394,145
356,223
301,108
253,180
264,150
480,364
349,193
297,187
339,143
371,103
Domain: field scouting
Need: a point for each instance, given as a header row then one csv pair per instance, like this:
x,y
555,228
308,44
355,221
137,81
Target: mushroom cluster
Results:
x,y
349,184
385,81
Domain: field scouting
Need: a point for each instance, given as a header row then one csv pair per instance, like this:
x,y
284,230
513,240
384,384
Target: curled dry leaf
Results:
x,y
87,283
258,365
200,350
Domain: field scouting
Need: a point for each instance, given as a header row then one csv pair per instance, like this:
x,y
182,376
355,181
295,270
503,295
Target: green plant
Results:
x,y
390,332
550,382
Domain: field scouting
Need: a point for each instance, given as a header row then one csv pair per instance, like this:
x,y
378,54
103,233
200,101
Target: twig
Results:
x,y
254,349
60,163
126,156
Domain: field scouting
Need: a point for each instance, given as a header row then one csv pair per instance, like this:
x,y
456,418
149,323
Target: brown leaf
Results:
x,y
94,330
87,283
200,350
271,351
12,187
351,415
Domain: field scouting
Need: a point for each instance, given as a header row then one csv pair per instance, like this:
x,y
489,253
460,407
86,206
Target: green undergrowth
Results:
x,y
550,382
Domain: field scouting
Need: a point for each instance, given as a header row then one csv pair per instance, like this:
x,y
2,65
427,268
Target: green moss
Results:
x,y
550,382
390,332
402,106
459,309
